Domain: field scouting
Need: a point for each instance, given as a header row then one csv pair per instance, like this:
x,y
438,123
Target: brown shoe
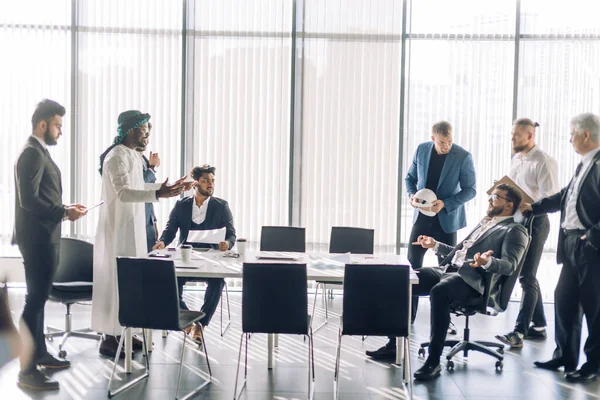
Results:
x,y
196,334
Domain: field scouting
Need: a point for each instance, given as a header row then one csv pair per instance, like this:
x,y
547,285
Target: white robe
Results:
x,y
121,231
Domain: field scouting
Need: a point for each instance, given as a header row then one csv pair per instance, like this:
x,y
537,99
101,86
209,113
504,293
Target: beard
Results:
x,y
206,193
518,149
48,138
494,211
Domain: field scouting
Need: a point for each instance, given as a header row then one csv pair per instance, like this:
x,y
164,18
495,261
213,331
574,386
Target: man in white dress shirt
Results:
x,y
536,173
121,227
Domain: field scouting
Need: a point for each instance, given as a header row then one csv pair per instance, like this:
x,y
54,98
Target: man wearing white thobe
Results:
x,y
121,227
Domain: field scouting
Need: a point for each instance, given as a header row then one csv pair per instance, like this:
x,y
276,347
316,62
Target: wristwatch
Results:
x,y
65,214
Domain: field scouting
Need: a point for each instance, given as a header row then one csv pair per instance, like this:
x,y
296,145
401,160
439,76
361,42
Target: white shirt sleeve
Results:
x,y
487,264
548,177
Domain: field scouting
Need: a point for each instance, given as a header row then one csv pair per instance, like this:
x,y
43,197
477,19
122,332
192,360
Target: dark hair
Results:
x,y
442,128
103,156
149,125
197,172
526,122
512,194
46,109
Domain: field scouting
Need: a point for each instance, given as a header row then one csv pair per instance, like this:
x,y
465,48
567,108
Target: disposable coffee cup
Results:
x,y
186,253
241,246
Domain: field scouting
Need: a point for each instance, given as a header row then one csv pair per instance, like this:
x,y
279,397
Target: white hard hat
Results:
x,y
424,198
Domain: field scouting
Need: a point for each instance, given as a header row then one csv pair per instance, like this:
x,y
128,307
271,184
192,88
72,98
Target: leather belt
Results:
x,y
568,232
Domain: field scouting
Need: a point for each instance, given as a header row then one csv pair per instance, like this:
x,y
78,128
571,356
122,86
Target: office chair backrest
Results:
x,y
351,240
75,261
510,281
148,296
274,298
376,300
283,238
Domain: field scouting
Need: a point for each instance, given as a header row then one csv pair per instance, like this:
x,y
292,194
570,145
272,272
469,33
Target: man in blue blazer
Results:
x,y
448,171
201,212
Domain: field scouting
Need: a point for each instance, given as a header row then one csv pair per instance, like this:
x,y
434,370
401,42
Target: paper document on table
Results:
x,y
212,236
344,258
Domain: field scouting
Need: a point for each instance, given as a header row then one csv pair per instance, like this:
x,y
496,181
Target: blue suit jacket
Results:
x,y
218,215
455,187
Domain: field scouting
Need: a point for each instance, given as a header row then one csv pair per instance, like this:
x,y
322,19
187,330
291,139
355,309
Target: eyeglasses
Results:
x,y
495,197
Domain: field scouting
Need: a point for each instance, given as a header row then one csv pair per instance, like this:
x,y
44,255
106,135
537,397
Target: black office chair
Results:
x,y
274,301
72,284
376,303
148,299
283,238
344,240
480,306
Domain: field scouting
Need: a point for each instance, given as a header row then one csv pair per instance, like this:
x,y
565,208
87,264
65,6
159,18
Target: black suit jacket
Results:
x,y
149,177
38,197
218,215
508,240
588,208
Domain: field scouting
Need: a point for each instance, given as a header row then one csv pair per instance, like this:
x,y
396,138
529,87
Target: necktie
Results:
x,y
578,170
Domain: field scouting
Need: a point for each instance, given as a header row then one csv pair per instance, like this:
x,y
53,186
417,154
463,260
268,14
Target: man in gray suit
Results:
x,y
493,249
39,212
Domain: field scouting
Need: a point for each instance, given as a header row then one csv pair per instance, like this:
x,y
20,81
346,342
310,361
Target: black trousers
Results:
x,y
532,307
429,226
443,290
578,293
211,296
40,261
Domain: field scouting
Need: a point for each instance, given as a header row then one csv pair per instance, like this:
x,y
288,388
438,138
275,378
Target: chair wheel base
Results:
x,y
499,366
62,354
450,365
421,352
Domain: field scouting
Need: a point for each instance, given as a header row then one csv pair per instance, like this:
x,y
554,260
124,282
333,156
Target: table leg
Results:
x,y
270,350
128,349
149,339
407,376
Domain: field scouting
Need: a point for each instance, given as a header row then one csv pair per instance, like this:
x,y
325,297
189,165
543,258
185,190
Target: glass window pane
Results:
x,y
442,17
559,18
241,109
471,89
42,70
123,71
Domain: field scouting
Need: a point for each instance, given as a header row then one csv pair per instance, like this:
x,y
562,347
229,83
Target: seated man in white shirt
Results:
x,y
200,212
494,248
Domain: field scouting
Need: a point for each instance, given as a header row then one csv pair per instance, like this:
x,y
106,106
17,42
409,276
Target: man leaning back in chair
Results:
x,y
495,247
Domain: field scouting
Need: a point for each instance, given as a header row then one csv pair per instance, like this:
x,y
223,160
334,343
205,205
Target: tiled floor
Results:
x,y
361,378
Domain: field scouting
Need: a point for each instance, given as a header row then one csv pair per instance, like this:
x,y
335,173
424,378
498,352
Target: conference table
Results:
x,y
323,267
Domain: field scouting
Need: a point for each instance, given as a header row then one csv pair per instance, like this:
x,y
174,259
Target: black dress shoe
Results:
x,y
582,375
136,343
35,380
428,371
383,353
552,364
109,346
49,361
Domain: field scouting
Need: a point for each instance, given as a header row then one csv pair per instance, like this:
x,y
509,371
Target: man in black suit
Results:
x,y
201,212
150,165
492,250
578,288
39,212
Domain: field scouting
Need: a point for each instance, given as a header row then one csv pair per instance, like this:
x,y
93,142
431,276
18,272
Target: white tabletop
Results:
x,y
320,266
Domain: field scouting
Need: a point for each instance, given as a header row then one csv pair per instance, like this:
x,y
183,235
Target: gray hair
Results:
x,y
587,122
